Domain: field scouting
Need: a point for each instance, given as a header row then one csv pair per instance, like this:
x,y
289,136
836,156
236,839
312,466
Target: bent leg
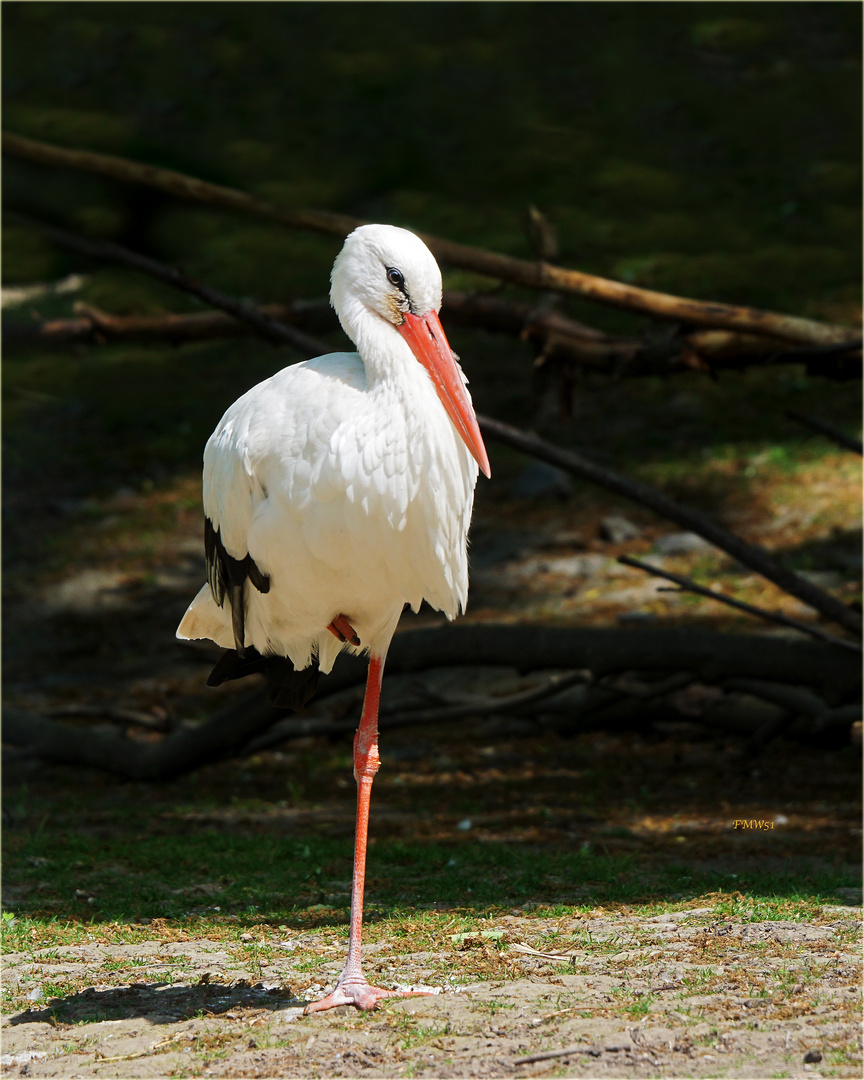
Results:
x,y
342,629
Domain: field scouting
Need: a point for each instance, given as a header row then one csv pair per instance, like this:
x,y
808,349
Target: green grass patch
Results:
x,y
74,882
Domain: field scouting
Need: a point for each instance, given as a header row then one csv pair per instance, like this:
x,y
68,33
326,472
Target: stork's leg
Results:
x,y
351,986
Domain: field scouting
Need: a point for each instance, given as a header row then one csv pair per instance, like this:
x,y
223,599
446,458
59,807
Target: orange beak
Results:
x,y
426,339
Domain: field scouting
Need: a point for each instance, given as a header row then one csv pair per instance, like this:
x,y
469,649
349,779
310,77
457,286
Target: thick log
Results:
x,y
833,673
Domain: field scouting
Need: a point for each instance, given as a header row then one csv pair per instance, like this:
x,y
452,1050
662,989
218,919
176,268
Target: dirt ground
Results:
x,y
691,993
763,999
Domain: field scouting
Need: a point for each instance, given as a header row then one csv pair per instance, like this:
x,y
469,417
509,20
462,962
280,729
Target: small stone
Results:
x,y
812,1057
541,481
616,529
246,937
586,565
823,579
682,543
23,1059
636,617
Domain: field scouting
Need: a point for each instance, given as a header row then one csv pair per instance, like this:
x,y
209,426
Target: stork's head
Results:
x,y
387,273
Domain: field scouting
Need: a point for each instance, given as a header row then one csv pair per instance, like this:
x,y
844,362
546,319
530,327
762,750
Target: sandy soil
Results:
x,y
685,994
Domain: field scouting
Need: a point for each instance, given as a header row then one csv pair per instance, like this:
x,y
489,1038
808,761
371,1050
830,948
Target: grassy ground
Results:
x,y
174,929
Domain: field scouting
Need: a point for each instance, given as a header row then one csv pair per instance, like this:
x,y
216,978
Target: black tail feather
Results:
x,y
287,688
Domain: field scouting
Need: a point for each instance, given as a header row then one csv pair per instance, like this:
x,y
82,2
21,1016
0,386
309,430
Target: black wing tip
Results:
x,y
228,576
287,688
259,580
231,665
224,570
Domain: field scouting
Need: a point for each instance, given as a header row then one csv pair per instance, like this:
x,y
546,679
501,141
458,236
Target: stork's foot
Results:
x,y
357,992
342,629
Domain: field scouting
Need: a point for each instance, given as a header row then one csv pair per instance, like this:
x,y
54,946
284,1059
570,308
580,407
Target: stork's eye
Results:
x,y
395,277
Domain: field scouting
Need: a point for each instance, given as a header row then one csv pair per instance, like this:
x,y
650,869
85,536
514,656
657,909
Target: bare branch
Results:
x,y
794,702
670,685
542,235
617,700
550,1055
799,701
608,651
291,729
93,325
716,350
839,717
762,613
172,183
535,275
830,431
99,249
110,712
794,698
555,337
756,558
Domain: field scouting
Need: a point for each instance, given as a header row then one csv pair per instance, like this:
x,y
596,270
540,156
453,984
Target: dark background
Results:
x,y
708,149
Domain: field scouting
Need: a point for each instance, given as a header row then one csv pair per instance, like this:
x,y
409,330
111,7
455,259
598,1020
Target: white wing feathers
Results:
x,y
354,500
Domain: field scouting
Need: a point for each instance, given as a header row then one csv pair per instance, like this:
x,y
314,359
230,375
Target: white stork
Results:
x,y
336,492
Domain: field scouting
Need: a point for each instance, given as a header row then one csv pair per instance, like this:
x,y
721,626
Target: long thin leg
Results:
x,y
351,986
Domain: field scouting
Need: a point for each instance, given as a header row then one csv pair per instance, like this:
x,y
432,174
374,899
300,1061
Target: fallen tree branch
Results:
x,y
110,712
92,325
756,558
741,605
273,331
833,673
798,700
718,350
560,339
794,706
556,338
422,717
830,431
536,275
614,702
839,717
651,691
550,1055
